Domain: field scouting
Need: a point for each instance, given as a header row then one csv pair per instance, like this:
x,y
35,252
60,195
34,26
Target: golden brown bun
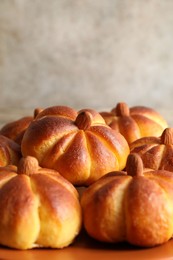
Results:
x,y
38,207
136,206
156,152
64,111
16,129
10,152
135,122
80,146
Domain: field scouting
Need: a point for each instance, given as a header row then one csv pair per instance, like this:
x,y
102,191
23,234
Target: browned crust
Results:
x,y
10,152
80,155
140,122
15,130
42,209
138,210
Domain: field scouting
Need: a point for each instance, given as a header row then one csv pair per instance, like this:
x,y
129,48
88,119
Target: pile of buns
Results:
x,y
123,158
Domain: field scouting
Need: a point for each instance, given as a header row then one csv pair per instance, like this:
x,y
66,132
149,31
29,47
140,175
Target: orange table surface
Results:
x,y
86,248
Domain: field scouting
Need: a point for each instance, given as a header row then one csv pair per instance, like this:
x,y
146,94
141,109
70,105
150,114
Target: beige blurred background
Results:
x,y
86,53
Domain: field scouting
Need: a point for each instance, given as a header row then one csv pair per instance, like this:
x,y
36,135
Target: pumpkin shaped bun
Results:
x,y
79,145
156,152
38,207
135,122
10,152
134,206
15,130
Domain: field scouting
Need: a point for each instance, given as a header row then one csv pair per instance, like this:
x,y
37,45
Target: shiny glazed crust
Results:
x,y
139,209
15,130
135,122
37,209
10,152
156,152
81,148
